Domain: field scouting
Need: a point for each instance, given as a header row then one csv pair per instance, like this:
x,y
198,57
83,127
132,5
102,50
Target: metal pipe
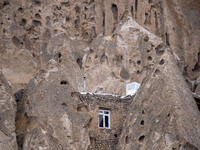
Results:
x,y
84,84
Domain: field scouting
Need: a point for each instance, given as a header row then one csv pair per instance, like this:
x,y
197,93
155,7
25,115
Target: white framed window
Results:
x,y
104,119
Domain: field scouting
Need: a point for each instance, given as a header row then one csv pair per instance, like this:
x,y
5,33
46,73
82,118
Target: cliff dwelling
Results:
x,y
99,75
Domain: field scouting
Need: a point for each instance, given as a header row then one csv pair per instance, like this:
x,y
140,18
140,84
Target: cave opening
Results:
x,y
115,15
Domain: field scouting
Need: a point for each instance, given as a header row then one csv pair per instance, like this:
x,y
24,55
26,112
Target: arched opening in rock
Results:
x,y
132,11
115,15
141,139
79,62
138,62
149,58
142,123
37,23
127,139
23,22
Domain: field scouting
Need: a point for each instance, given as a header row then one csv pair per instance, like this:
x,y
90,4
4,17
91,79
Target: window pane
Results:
x,y
106,112
106,122
100,111
100,120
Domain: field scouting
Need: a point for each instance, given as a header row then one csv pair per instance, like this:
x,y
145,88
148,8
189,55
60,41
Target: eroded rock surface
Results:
x,y
47,115
7,116
112,62
31,26
163,114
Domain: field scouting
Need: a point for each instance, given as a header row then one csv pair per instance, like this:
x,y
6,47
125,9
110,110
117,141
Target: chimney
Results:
x,y
84,84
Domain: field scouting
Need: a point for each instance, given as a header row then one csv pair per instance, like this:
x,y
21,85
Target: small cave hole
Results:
x,y
149,58
36,23
148,51
162,62
127,139
20,9
115,135
146,39
64,104
142,122
115,15
63,82
37,16
20,140
132,11
59,55
141,139
79,62
68,19
115,12
138,62
168,115
143,112
23,22
157,71
138,72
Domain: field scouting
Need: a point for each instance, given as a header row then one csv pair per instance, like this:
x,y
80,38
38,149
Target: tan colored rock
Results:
x,y
7,116
47,115
163,113
35,23
112,62
18,67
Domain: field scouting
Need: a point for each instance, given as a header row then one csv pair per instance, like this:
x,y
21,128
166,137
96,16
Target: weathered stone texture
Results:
x,y
7,116
112,62
47,116
31,26
163,113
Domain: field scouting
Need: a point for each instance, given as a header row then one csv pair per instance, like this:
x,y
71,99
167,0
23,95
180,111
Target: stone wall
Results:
x,y
101,138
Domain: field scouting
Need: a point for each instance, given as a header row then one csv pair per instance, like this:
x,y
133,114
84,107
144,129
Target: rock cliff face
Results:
x,y
47,115
28,27
163,114
7,116
47,47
